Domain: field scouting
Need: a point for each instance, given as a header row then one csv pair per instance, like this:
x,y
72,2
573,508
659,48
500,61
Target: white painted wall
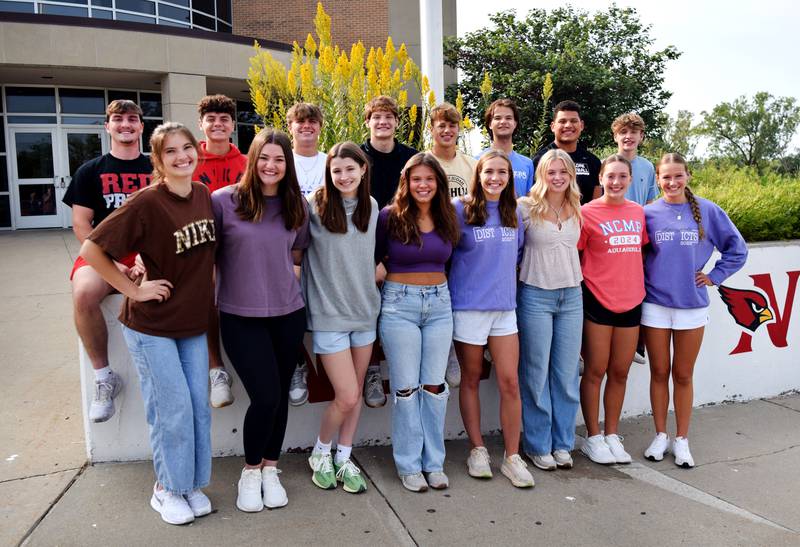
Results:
x,y
766,371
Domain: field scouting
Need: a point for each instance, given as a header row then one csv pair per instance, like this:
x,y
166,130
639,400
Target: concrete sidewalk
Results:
x,y
742,492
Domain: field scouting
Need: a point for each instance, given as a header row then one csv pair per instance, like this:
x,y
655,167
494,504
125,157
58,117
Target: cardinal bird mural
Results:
x,y
749,308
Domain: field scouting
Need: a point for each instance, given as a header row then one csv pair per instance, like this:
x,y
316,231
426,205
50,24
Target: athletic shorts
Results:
x,y
80,263
475,327
595,312
662,317
326,342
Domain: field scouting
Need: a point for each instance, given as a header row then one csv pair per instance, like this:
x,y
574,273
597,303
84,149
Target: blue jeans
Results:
x,y
173,373
550,328
416,328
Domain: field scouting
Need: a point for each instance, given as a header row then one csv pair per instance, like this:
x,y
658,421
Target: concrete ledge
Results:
x,y
767,369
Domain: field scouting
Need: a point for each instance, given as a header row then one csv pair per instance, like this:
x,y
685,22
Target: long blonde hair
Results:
x,y
535,200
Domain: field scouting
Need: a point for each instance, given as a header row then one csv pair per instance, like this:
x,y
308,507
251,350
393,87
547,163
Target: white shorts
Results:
x,y
662,317
475,327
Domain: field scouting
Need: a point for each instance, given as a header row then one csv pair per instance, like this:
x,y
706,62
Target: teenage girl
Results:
x,y
483,290
415,237
684,230
550,312
611,240
343,304
164,320
262,229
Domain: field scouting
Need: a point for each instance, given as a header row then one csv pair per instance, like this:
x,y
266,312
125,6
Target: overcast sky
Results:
x,y
730,48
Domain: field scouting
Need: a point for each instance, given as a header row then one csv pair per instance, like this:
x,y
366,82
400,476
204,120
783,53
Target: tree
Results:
x,y
602,60
679,134
752,131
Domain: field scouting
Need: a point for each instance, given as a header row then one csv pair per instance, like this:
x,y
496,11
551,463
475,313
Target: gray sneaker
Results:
x,y
437,480
221,395
298,388
102,407
415,482
374,397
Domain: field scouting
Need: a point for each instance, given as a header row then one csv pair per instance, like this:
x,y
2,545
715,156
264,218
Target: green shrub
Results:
x,y
764,206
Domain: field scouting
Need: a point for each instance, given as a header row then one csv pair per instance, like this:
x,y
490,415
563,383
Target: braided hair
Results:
x,y
674,157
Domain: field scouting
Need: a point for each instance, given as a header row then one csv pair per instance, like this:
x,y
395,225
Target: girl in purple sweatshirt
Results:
x,y
683,230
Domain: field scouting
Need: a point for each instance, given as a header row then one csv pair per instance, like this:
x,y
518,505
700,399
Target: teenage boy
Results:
x,y
567,126
459,168
501,121
305,124
220,164
387,157
628,131
97,189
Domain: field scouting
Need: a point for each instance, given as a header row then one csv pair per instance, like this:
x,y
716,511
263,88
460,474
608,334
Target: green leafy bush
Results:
x,y
764,207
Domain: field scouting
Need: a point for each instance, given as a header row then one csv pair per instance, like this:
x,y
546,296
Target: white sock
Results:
x,y
102,374
343,453
322,448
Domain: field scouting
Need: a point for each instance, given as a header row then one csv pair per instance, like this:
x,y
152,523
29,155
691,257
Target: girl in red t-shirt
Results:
x,y
611,240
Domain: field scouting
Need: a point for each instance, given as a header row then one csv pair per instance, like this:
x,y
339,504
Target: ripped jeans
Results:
x,y
416,328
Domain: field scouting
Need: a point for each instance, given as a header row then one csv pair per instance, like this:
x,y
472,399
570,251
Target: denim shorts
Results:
x,y
662,317
326,341
476,326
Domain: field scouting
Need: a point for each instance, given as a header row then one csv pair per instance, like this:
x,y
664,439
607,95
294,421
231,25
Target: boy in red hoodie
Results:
x,y
219,164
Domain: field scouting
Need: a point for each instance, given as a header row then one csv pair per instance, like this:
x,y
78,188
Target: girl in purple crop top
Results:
x,y
415,236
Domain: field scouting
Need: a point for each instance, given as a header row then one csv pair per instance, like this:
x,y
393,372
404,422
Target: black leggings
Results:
x,y
263,350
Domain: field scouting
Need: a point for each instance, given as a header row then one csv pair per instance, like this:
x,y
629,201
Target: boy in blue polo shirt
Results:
x,y
628,130
501,121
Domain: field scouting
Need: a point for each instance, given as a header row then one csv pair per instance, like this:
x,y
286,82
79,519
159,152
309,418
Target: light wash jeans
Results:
x,y
173,373
550,328
416,328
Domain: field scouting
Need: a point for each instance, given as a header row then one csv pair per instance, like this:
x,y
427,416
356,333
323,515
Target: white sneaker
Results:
x,y
563,459
614,443
680,448
198,503
437,480
639,358
374,397
596,449
174,509
298,388
478,463
545,462
453,373
249,498
274,493
415,482
517,471
102,407
660,445
221,395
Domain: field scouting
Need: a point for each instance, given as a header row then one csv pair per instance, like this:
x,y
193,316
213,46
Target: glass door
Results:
x,y
79,146
34,158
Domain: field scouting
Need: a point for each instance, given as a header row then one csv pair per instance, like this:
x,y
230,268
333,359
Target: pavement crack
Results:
x,y
745,458
52,504
386,500
776,403
42,474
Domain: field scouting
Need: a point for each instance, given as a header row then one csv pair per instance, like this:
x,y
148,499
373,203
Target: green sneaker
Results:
x,y
322,466
350,476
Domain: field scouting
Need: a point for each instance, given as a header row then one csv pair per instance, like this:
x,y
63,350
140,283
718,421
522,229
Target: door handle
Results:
x,y
63,184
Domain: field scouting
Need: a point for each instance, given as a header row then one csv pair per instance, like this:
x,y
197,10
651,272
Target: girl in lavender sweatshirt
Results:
x,y
683,230
483,291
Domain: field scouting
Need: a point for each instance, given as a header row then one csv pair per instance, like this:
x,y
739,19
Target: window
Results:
x,y
31,99
82,101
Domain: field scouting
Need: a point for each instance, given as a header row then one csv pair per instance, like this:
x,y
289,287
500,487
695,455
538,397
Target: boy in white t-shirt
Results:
x,y
305,124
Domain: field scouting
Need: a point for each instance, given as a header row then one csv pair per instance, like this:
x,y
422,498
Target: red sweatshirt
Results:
x,y
219,171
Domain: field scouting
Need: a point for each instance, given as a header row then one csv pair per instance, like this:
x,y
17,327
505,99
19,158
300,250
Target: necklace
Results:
x,y
311,183
557,212
676,208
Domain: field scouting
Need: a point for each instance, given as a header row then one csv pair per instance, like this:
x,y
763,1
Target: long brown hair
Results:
x,y
674,157
328,198
157,139
475,202
251,198
404,212
536,199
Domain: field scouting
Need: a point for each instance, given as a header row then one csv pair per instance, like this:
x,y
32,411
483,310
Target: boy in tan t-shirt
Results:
x,y
459,167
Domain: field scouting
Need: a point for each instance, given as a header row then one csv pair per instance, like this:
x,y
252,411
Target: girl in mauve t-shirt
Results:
x,y
611,240
415,237
171,226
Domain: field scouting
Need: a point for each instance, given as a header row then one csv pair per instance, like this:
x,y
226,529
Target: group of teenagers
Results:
x,y
551,268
